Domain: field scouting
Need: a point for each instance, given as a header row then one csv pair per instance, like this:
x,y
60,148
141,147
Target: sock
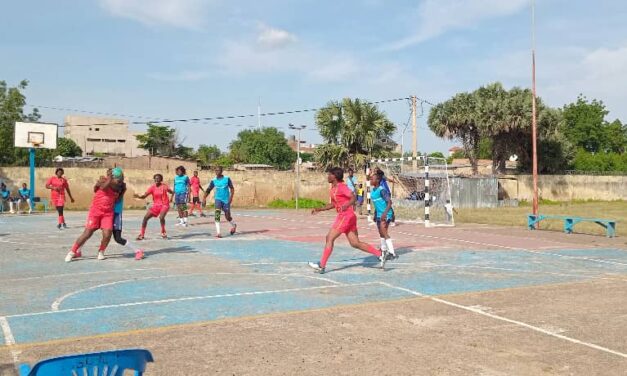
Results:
x,y
390,246
217,228
163,228
233,224
384,246
185,220
325,256
61,219
75,248
102,248
143,231
374,251
132,246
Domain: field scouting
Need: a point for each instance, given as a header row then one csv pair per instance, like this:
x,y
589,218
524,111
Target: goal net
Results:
x,y
421,191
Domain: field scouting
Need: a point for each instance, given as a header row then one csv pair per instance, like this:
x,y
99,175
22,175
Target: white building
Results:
x,y
102,136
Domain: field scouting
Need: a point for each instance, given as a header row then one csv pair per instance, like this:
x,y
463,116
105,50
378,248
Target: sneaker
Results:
x,y
219,236
71,256
59,226
392,256
191,215
12,212
179,224
233,230
383,259
101,255
393,224
30,212
202,215
316,267
139,237
184,224
164,235
64,225
139,255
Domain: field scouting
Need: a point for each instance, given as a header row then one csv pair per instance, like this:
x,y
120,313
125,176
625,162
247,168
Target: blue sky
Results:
x,y
201,58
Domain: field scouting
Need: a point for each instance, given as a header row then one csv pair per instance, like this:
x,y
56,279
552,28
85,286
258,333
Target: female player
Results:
x,y
117,217
342,199
58,185
223,199
196,187
383,212
160,204
181,194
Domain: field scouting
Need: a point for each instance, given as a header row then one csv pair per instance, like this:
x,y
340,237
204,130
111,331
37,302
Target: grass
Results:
x,y
304,203
616,210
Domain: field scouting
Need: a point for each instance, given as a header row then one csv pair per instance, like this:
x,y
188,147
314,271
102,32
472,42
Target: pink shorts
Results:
x,y
157,210
98,219
59,201
345,223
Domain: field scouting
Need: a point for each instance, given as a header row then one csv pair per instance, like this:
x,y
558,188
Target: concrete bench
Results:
x,y
571,221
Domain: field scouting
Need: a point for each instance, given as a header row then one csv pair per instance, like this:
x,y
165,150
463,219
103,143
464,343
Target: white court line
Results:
x,y
477,310
75,274
190,298
514,248
57,302
6,331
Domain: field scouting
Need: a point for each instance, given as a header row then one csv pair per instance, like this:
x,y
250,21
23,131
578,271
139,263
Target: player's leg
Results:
x,y
104,243
11,206
227,215
184,207
353,239
60,218
75,251
147,217
117,236
219,206
30,205
332,235
19,204
384,230
162,215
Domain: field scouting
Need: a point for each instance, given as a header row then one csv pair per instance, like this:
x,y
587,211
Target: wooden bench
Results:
x,y
571,221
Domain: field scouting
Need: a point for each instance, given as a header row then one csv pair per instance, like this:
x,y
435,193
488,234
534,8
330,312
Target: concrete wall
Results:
x,y
251,188
565,187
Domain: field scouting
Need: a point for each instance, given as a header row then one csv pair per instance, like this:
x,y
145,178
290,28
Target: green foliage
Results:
x,y
158,140
224,161
584,122
304,203
264,146
307,157
615,137
67,147
600,162
12,102
208,154
351,130
437,154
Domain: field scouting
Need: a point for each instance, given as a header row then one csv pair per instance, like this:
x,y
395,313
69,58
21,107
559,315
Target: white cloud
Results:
x,y
436,17
187,14
274,38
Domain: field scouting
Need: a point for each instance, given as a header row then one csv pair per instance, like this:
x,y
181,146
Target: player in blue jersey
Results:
x,y
384,214
386,187
117,216
24,196
223,199
181,194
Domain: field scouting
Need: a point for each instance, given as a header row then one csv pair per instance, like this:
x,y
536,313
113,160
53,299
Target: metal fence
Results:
x,y
475,192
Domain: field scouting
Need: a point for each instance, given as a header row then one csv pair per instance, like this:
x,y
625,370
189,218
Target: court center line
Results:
x,y
189,298
505,319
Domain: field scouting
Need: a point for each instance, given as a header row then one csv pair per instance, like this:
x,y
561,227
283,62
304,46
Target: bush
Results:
x,y
305,203
602,162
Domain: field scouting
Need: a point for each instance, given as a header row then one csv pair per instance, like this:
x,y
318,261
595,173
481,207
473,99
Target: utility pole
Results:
x,y
534,136
297,188
414,153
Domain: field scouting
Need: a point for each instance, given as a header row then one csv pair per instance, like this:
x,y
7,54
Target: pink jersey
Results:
x,y
57,182
104,199
340,196
195,184
159,194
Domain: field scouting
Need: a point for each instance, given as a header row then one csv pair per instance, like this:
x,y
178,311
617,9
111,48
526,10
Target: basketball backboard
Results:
x,y
36,135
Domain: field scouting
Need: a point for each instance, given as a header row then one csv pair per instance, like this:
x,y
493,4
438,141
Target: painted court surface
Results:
x,y
471,300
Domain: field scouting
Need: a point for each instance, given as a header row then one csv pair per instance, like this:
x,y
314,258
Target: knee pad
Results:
x,y
218,212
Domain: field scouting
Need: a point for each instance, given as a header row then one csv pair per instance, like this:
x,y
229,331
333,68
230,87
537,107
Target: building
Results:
x,y
102,136
454,150
304,146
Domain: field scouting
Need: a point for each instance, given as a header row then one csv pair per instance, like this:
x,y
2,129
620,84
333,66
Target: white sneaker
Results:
x,y
184,224
30,212
70,256
101,255
12,212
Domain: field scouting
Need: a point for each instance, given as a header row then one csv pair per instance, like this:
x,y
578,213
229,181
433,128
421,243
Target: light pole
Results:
x,y
297,128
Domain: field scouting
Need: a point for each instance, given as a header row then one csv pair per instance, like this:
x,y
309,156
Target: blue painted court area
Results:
x,y
194,277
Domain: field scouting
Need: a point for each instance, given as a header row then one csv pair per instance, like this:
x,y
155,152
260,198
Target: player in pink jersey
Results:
x,y
58,185
160,204
195,199
342,200
100,215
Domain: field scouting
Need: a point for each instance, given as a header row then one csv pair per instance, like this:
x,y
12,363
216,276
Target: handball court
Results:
x,y
472,300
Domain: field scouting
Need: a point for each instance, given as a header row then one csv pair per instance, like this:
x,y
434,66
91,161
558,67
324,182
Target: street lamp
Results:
x,y
297,128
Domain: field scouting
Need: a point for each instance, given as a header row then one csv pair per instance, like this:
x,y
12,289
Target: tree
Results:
x,y
615,137
67,147
263,146
207,154
12,102
352,130
437,154
158,140
584,124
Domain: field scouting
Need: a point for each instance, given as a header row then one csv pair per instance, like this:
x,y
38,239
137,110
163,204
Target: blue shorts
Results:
x,y
360,200
224,206
180,198
117,221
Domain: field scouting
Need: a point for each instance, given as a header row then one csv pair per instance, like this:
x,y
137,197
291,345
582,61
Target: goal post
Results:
x,y
421,189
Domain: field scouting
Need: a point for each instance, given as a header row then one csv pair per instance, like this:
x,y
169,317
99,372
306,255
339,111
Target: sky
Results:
x,y
206,58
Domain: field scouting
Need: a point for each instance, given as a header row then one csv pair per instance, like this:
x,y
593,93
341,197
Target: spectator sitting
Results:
x,y
5,194
24,195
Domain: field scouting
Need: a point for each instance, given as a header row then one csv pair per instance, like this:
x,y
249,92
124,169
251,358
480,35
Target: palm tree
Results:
x,y
351,130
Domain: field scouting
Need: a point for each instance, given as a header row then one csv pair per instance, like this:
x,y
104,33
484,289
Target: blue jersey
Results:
x,y
24,193
181,183
222,186
351,182
119,203
5,194
380,198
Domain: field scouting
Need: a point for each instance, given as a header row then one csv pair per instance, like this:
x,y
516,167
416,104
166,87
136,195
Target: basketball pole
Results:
x,y
31,154
534,137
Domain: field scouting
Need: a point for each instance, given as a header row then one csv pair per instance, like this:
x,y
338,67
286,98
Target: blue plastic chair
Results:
x,y
107,363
